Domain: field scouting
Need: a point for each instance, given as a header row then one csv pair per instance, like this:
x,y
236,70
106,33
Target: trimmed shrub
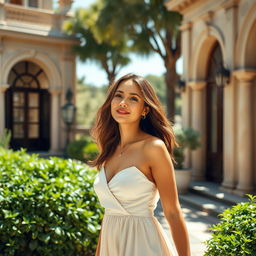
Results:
x,y
75,149
82,150
90,151
235,234
47,206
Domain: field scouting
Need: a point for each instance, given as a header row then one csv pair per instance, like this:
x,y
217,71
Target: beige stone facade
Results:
x,y
37,67
215,33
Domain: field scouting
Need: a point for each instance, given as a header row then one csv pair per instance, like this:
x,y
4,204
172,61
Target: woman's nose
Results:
x,y
122,102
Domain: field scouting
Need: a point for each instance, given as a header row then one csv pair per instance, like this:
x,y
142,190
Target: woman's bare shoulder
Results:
x,y
154,145
153,141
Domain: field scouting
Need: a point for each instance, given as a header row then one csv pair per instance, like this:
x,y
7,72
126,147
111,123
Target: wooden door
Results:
x,y
214,120
27,109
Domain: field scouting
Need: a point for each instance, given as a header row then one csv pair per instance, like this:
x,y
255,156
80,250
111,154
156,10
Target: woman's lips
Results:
x,y
122,112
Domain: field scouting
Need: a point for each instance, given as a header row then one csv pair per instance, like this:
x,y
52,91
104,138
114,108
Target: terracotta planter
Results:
x,y
183,178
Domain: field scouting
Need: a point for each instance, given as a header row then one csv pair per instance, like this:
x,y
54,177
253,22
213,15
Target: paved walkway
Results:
x,y
197,223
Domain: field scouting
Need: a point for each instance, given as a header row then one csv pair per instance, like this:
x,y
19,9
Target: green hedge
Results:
x,y
235,234
47,206
82,150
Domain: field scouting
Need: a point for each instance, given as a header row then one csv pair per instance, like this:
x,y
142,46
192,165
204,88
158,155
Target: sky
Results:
x,y
143,66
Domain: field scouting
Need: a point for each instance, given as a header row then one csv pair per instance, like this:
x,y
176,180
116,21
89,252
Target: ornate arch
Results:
x,y
40,59
245,46
205,42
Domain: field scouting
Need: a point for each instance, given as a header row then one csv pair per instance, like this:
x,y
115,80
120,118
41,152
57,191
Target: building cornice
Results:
x,y
43,37
182,6
179,5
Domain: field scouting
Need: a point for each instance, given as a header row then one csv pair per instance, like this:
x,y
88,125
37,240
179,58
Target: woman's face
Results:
x,y
127,105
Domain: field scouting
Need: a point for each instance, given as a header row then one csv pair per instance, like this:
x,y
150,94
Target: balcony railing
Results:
x,y
19,16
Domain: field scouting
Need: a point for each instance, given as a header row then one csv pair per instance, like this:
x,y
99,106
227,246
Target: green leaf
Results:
x,y
33,245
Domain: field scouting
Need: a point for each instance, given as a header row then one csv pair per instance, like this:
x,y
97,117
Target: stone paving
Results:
x,y
197,223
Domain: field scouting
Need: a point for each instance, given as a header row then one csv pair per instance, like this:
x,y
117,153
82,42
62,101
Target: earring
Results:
x,y
144,116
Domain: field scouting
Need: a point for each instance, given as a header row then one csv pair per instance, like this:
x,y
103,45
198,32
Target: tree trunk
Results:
x,y
111,77
170,80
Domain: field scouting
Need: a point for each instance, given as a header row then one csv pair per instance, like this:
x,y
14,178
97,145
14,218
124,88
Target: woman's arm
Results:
x,y
163,172
97,253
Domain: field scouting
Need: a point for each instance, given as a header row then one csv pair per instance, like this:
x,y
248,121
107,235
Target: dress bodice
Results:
x,y
129,192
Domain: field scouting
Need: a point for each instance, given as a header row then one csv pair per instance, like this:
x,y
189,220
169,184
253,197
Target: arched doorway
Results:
x,y
28,107
214,119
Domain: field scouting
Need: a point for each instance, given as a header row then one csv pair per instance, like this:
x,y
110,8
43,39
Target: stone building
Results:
x,y
219,34
37,67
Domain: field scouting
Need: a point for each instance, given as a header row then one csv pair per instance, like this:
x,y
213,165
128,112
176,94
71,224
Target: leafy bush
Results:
x,y
75,149
235,234
5,138
90,151
47,206
82,150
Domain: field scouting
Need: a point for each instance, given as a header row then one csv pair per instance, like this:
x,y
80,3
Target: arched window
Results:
x,y
27,107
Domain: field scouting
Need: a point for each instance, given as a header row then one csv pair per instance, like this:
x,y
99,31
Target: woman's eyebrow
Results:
x,y
132,93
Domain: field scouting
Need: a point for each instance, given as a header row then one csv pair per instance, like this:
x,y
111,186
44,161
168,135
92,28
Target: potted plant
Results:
x,y
187,138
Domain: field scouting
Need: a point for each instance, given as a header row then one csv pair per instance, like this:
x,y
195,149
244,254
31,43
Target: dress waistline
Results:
x,y
110,212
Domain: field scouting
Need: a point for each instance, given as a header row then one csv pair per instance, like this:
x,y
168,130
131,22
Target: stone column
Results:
x,y
67,68
229,108
229,138
3,88
198,123
55,120
25,3
244,149
186,98
185,29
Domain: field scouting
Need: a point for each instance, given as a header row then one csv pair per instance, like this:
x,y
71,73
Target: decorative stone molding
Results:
x,y
244,34
4,87
229,4
179,5
33,53
185,26
245,74
207,17
197,85
202,49
64,6
16,13
55,91
41,59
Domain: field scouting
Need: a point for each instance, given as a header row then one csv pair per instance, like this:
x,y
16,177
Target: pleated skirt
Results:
x,y
130,235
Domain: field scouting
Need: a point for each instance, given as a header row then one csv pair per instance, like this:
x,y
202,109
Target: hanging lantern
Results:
x,y
222,77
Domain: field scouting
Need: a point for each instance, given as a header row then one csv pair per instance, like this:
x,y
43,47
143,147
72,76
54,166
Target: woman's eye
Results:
x,y
134,98
117,95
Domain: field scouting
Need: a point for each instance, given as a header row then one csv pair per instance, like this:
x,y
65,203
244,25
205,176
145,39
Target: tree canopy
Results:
x,y
148,27
111,57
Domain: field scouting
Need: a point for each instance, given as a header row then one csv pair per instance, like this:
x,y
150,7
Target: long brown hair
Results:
x,y
106,134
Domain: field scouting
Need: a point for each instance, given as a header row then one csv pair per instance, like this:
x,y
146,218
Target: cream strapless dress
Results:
x,y
129,227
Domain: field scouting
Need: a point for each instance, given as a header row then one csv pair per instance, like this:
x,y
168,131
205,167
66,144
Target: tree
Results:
x,y
159,86
111,57
149,27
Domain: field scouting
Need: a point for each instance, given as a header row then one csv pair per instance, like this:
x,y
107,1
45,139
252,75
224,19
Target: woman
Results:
x,y
136,144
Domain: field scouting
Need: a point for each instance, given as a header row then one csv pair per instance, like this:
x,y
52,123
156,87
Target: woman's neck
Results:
x,y
129,133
